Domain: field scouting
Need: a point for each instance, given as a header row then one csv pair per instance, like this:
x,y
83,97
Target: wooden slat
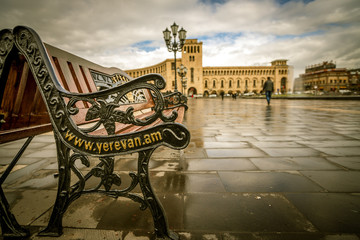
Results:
x,y
22,86
18,133
88,79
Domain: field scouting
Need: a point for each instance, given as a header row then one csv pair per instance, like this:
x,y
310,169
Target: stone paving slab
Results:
x,y
251,171
291,181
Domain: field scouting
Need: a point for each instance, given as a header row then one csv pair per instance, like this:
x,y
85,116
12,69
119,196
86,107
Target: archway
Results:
x,y
192,91
206,94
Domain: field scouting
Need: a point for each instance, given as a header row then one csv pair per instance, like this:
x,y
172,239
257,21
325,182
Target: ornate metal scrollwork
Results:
x,y
174,100
6,44
108,113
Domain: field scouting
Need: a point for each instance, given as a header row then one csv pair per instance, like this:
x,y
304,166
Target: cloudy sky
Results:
x,y
128,33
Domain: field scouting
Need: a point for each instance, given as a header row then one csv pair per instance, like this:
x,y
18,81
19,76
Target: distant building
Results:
x,y
215,80
325,77
354,79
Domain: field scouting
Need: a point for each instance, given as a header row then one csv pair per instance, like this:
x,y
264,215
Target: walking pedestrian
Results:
x,y
268,88
222,95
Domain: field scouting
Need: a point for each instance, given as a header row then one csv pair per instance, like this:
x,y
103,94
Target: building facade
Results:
x,y
217,80
325,77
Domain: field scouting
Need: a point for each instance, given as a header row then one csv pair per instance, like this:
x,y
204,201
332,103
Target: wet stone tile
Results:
x,y
348,162
25,172
186,182
277,138
84,212
219,164
194,153
341,151
329,212
276,144
267,182
10,153
234,153
125,214
32,204
336,181
316,137
326,144
294,163
235,139
242,213
44,138
48,153
88,234
291,152
42,179
226,145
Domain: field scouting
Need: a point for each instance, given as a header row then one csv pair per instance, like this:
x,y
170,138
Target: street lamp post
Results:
x,y
182,70
174,46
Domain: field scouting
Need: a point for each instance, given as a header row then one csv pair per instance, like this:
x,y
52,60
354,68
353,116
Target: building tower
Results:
x,y
192,60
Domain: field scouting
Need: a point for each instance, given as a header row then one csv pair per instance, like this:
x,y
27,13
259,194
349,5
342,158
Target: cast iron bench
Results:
x,y
127,116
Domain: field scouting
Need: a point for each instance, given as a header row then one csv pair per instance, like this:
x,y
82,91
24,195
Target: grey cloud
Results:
x,y
106,31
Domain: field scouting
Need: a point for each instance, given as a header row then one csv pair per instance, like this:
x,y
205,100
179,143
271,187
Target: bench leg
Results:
x,y
9,226
55,227
157,211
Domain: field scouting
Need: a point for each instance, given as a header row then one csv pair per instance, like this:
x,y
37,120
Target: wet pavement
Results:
x,y
290,170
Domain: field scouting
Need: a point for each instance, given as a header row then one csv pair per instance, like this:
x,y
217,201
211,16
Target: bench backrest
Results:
x,y
107,108
22,111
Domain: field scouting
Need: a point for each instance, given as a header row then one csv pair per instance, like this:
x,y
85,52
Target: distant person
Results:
x,y
268,88
222,95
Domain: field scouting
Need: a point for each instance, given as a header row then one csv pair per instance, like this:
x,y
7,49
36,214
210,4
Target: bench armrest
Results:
x,y
107,108
174,100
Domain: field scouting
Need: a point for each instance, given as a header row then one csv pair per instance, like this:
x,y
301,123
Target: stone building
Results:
x,y
214,80
325,77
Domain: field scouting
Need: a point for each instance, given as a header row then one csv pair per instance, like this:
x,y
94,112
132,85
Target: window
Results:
x,y
230,84
238,83
206,84
246,83
254,83
192,74
222,83
214,84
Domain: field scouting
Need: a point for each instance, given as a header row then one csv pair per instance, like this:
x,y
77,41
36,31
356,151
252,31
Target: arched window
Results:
x,y
238,83
222,83
230,84
214,84
246,83
198,49
206,84
254,83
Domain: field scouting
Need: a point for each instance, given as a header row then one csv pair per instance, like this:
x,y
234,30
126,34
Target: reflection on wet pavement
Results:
x,y
290,170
